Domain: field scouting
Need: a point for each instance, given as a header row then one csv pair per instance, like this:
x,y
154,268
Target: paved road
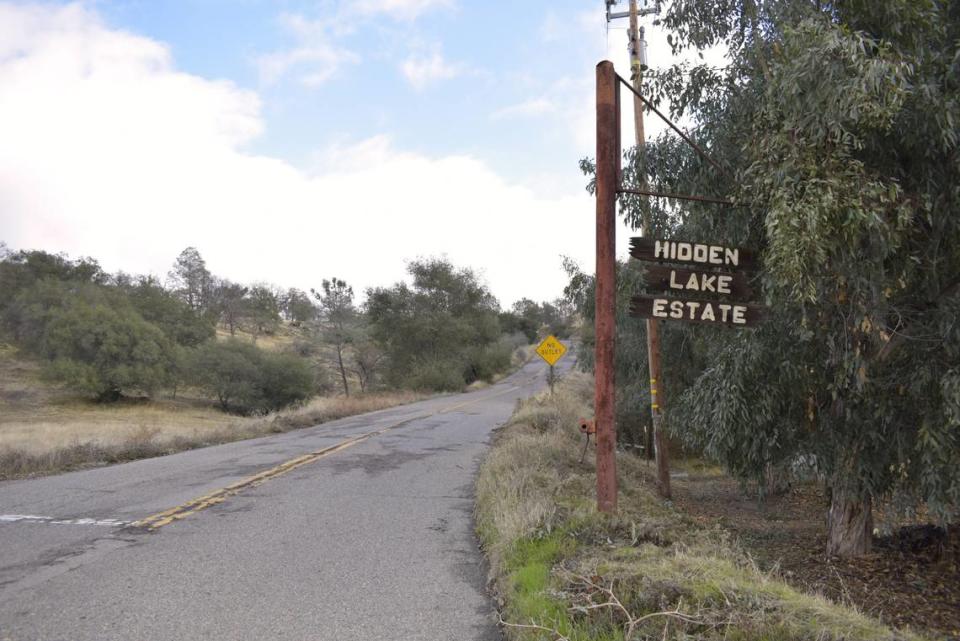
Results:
x,y
356,529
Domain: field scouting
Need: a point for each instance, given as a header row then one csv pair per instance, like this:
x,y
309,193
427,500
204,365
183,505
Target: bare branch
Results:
x,y
614,602
532,626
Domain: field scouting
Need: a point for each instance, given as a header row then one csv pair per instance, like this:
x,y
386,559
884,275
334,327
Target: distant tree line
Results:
x,y
110,335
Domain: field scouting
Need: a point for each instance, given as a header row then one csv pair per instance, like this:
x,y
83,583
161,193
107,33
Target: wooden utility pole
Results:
x,y
661,449
608,179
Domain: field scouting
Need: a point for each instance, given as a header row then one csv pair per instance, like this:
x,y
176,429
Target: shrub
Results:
x,y
437,375
284,380
102,350
246,379
483,363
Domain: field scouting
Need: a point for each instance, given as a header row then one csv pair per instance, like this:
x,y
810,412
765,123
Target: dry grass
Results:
x,y
321,410
45,430
282,339
537,521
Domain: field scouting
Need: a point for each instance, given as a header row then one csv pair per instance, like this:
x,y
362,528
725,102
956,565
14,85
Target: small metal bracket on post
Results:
x,y
614,15
586,428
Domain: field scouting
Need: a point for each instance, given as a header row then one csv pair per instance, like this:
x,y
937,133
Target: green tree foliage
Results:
x,y
297,307
246,379
261,310
513,323
439,333
837,125
174,317
530,318
231,303
24,270
93,340
192,282
90,337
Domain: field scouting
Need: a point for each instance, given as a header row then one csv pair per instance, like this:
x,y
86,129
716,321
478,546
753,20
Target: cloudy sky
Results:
x,y
293,140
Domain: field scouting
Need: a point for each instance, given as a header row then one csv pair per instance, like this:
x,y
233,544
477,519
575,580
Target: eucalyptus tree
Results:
x,y
836,124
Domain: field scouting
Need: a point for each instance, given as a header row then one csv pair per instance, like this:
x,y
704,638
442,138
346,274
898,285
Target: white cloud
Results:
x,y
526,109
421,70
316,58
574,95
110,151
399,9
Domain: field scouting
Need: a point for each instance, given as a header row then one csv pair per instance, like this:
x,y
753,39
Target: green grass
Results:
x,y
552,554
530,565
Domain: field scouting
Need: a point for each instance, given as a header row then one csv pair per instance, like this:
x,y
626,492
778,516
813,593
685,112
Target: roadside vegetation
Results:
x,y
561,570
98,368
46,429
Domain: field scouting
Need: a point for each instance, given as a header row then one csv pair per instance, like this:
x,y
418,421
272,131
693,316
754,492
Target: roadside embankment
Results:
x,y
562,571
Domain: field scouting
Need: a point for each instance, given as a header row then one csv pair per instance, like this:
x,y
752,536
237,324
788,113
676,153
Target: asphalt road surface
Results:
x,y
360,528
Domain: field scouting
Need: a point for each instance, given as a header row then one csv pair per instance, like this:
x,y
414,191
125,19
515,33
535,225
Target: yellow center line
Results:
x,y
158,520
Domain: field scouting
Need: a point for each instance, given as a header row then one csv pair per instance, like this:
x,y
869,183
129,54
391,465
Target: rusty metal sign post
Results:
x,y
608,180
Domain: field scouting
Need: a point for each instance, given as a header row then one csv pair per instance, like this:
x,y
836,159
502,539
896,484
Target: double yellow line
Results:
x,y
182,511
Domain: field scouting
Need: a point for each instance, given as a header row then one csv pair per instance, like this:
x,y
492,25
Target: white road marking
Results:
x,y
31,518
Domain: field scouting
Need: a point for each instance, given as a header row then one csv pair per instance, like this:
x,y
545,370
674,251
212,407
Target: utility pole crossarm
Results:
x,y
615,15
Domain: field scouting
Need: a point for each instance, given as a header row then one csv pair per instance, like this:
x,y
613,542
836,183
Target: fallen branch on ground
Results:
x,y
614,603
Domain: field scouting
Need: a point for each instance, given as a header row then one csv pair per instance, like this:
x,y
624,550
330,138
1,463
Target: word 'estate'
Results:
x,y
700,311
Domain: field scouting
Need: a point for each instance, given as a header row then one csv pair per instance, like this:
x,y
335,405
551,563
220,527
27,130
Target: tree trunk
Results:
x,y
362,377
849,524
648,449
343,373
775,481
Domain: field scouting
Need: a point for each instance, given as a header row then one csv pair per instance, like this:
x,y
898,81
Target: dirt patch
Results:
x,y
911,579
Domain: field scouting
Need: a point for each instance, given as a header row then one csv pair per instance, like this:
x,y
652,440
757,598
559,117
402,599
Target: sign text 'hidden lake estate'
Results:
x,y
710,271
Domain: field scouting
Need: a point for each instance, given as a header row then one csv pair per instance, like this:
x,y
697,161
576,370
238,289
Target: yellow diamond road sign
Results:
x,y
551,350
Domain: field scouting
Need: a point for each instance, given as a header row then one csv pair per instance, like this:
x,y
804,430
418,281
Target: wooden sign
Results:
x,y
702,254
684,281
697,311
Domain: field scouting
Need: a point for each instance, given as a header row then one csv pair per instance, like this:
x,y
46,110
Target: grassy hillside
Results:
x,y
36,416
